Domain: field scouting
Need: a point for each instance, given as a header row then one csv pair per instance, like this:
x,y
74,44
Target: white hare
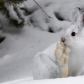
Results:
x,y
45,63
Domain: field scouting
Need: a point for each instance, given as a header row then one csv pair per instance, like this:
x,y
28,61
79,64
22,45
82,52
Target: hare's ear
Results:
x,y
80,21
75,14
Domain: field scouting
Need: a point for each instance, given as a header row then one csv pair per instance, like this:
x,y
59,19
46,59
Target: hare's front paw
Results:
x,y
62,53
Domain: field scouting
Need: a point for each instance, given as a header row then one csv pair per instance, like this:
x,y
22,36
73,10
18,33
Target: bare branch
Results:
x,y
42,9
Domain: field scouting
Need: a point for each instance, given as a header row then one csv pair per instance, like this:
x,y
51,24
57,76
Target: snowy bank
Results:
x,y
69,80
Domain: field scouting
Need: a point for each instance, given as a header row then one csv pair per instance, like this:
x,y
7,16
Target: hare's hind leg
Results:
x,y
45,68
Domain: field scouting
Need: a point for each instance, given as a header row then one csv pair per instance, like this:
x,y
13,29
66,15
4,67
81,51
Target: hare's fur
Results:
x,y
46,64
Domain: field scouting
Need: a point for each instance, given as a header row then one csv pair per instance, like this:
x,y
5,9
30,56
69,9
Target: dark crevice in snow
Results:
x,y
50,30
2,39
31,20
58,16
26,12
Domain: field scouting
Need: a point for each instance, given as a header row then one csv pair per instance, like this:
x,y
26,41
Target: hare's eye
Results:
x,y
73,34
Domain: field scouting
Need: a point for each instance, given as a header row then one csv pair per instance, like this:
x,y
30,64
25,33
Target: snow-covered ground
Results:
x,y
70,80
19,48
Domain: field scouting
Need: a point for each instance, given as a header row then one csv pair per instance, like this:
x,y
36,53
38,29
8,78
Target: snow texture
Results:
x,y
19,48
13,14
69,80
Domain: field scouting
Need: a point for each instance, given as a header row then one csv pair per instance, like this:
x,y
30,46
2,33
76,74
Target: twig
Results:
x,y
42,9
19,5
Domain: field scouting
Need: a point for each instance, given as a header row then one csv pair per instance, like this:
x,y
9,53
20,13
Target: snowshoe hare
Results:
x,y
46,64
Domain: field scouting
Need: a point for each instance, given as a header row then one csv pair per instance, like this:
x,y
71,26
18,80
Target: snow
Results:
x,y
52,9
69,80
13,14
21,45
53,22
19,48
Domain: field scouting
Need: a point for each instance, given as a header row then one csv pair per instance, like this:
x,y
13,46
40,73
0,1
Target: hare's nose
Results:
x,y
63,39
